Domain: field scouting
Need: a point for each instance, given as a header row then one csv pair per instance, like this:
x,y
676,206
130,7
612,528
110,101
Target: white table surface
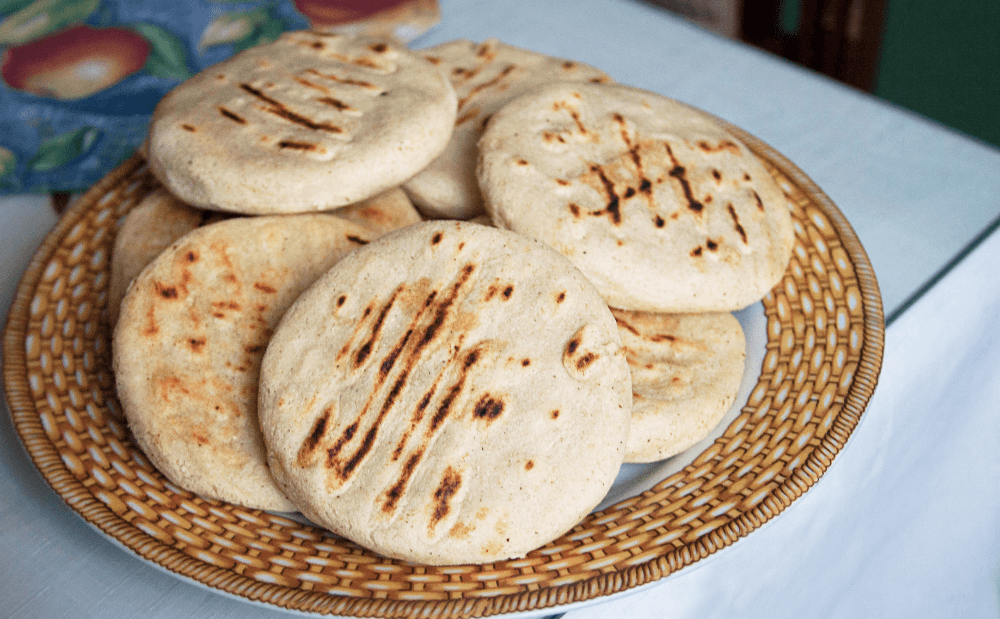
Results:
x,y
907,520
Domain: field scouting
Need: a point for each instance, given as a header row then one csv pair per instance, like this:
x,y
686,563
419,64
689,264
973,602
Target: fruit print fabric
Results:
x,y
80,78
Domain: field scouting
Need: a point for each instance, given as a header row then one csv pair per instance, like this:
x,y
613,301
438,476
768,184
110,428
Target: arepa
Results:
x,y
485,77
686,371
309,122
190,337
150,227
659,206
449,393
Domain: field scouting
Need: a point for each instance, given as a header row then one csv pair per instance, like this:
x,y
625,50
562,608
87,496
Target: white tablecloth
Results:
x,y
906,521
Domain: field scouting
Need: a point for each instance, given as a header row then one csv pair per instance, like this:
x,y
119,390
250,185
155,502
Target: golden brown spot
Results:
x,y
446,490
379,48
488,408
562,182
530,464
554,414
560,297
573,345
196,344
188,127
585,361
191,256
265,288
167,292
575,209
433,59
569,64
522,162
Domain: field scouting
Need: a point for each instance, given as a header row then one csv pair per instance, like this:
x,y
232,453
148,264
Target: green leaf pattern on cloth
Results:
x,y
42,17
62,149
167,56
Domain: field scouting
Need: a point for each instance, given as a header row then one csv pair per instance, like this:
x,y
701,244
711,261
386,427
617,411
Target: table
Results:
x,y
907,520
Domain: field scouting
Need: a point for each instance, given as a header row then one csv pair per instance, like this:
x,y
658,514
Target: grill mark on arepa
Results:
x,y
233,116
487,84
297,145
344,470
736,222
679,173
446,490
365,349
281,111
573,113
612,209
724,145
393,494
346,81
308,448
336,104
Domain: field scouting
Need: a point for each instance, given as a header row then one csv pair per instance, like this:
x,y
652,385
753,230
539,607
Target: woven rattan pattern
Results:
x,y
824,346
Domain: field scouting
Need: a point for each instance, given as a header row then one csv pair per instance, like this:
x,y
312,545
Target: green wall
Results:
x,y
941,58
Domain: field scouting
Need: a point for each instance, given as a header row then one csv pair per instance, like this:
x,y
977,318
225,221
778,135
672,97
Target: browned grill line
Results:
x,y
278,109
736,222
678,172
481,87
343,80
346,469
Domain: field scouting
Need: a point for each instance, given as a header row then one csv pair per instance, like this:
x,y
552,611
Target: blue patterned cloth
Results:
x,y
81,77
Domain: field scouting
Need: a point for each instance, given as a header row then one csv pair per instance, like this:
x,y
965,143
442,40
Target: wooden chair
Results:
x,y
840,38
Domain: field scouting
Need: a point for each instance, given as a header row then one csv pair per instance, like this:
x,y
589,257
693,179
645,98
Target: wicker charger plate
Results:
x,y
823,327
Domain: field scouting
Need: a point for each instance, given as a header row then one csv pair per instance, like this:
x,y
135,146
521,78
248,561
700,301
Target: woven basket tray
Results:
x,y
824,335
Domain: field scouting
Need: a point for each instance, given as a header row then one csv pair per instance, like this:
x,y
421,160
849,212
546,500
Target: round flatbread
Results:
x,y
686,372
190,337
388,211
657,204
485,77
149,228
450,393
309,122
